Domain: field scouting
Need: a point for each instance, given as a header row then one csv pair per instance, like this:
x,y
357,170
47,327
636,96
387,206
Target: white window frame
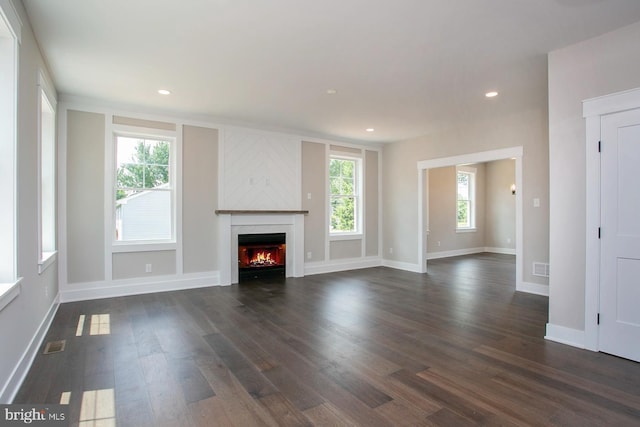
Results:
x,y
10,35
47,155
174,176
358,198
472,172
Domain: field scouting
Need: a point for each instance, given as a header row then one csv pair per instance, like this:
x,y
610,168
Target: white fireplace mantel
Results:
x,y
231,223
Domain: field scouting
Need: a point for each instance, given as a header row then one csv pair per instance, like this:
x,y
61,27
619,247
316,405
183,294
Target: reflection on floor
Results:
x,y
373,347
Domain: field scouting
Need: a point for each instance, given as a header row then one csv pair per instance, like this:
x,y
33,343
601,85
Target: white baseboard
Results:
x,y
19,373
533,288
125,287
469,251
336,265
564,335
455,252
503,251
399,265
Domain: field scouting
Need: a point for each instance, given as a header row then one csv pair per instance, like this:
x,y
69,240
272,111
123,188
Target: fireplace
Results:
x,y
261,256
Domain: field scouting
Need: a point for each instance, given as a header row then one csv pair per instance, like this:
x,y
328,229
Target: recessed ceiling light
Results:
x,y
491,94
369,129
164,92
331,91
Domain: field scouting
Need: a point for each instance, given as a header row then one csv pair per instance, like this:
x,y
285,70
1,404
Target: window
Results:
x,y
345,201
47,184
465,190
9,42
144,189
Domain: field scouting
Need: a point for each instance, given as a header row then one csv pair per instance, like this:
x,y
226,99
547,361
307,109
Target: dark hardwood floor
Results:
x,y
376,347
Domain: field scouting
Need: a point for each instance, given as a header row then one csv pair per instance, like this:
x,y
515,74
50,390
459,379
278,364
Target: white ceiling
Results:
x,y
403,67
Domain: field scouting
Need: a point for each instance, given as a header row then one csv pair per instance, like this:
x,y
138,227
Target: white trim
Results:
x,y
466,230
93,105
9,292
346,236
327,204
399,265
109,194
563,335
613,103
137,286
471,158
178,191
335,265
62,195
455,252
45,89
358,195
221,168
133,246
480,157
9,145
422,237
12,386
48,258
533,288
363,203
12,18
470,251
503,251
592,110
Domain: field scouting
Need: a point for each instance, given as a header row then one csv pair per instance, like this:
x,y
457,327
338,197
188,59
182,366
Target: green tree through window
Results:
x,y
343,190
142,164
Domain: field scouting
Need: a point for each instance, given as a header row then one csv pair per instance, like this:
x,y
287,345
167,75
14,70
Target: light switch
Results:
x,y
536,203
309,196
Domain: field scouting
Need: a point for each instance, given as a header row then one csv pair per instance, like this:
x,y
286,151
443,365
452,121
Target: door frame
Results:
x,y
479,157
592,110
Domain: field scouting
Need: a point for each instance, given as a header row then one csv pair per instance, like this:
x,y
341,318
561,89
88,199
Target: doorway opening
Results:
x,y
480,157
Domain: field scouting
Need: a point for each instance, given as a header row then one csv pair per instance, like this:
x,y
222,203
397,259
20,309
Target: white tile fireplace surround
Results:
x,y
231,223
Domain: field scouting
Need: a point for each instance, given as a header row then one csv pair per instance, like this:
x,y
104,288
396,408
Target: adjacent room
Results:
x,y
320,213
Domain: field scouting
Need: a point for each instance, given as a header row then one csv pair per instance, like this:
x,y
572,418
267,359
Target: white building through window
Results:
x,y
466,198
144,189
345,201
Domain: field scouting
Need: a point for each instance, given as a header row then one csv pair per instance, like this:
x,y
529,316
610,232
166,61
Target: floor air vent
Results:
x,y
55,347
540,269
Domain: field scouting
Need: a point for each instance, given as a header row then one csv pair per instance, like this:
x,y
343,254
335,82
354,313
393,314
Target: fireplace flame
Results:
x,y
262,258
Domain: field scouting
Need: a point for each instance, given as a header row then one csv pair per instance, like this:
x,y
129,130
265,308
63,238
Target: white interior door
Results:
x,y
620,239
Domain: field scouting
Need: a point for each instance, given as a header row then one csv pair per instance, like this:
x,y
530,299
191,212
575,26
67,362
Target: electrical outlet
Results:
x,y
508,239
309,255
309,196
147,268
438,243
390,250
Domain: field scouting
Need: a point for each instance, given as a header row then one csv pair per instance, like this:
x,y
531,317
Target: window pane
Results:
x,y
144,216
343,214
143,189
47,176
463,214
463,186
334,168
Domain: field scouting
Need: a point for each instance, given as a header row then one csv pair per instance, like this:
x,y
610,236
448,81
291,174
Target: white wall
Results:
x,y
596,67
28,314
524,124
260,170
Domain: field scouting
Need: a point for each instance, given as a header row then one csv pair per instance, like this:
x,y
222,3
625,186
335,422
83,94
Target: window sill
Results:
x,y
466,230
8,292
48,258
143,247
345,236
